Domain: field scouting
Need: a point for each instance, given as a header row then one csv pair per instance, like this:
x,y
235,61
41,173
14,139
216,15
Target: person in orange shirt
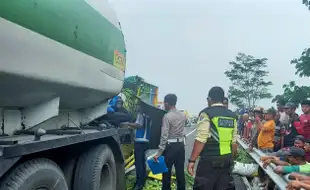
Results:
x,y
267,131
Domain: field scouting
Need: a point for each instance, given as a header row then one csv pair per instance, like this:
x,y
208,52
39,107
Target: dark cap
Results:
x,y
295,152
217,94
290,105
300,137
305,102
271,111
307,141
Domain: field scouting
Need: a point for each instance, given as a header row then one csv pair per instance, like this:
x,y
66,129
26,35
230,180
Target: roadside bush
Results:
x,y
244,157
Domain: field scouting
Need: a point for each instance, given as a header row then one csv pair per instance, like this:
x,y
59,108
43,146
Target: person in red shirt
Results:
x,y
245,130
245,119
305,118
305,122
248,129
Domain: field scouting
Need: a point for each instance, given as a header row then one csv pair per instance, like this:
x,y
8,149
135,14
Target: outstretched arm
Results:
x,y
139,122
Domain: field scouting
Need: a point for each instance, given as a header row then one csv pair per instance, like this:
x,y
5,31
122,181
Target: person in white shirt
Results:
x,y
284,118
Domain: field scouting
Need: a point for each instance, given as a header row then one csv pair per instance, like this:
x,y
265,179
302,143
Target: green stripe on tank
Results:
x,y
71,22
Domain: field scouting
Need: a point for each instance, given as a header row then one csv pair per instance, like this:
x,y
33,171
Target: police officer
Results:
x,y
172,143
215,143
142,125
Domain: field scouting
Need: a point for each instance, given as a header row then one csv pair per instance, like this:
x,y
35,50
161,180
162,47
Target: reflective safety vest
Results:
x,y
222,125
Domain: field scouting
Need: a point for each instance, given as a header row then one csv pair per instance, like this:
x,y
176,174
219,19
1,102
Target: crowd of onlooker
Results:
x,y
284,136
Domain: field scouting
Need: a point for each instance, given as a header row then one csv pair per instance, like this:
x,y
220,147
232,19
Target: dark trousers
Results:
x,y
140,163
117,118
213,173
174,155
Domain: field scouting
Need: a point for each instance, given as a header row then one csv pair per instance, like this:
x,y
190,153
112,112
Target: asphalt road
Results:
x,y
190,133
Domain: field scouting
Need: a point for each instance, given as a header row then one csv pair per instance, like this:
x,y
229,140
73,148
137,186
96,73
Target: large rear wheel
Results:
x,y
96,170
68,170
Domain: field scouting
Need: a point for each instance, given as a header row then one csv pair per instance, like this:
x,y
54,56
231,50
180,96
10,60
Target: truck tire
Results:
x,y
121,177
35,174
96,170
68,169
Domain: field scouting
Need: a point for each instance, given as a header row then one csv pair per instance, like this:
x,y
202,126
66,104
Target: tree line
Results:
x,y
249,85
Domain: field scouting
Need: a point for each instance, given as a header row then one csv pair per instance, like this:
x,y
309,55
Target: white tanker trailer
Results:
x,y
60,62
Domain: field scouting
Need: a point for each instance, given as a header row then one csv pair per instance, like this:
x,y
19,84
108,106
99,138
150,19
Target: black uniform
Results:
x,y
213,171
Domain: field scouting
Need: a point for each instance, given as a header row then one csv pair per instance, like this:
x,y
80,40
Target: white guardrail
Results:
x,y
256,154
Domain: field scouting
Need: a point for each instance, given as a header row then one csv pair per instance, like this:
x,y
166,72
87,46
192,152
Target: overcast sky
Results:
x,y
184,46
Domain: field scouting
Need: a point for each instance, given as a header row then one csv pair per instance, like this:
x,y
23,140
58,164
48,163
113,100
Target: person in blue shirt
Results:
x,y
116,104
116,113
142,125
112,104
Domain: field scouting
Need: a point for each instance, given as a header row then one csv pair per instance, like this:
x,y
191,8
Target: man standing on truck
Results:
x,y
215,144
142,125
172,143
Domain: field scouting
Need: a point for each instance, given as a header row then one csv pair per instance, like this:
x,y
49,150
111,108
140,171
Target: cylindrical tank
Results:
x,y
73,49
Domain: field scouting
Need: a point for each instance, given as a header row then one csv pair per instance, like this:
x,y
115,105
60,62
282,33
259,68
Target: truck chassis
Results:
x,y
63,147
76,153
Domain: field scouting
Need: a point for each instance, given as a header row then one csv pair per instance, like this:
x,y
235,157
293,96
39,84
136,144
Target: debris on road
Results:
x,y
153,184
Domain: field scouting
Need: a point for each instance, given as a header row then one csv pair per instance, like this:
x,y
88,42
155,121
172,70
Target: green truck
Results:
x,y
60,63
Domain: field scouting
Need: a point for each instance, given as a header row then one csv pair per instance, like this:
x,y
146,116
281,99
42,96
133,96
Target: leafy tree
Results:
x,y
302,64
292,92
247,76
307,3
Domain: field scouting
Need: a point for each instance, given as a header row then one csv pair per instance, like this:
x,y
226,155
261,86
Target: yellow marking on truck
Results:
x,y
119,60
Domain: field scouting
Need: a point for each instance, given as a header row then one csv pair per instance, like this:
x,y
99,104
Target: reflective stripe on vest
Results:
x,y
224,134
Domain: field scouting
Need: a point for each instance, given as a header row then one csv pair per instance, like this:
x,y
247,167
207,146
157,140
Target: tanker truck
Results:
x,y
60,63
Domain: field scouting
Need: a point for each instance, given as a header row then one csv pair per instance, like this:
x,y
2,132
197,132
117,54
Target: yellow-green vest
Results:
x,y
222,124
